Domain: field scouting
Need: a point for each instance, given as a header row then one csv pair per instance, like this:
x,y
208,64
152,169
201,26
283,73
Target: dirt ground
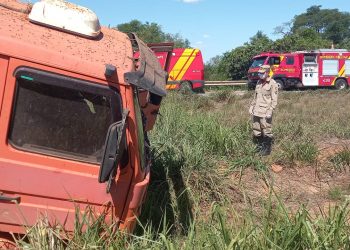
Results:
x,y
316,187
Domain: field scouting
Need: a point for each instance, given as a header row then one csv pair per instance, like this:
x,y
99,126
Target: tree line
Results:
x,y
153,33
316,28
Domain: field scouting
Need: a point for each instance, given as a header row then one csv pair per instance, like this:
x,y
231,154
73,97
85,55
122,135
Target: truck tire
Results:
x,y
280,84
251,85
186,88
341,84
6,241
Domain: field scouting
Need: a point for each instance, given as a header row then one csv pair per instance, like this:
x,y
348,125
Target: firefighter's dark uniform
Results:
x,y
261,109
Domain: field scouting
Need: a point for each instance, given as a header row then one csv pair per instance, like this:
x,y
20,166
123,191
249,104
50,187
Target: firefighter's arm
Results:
x,y
252,105
274,97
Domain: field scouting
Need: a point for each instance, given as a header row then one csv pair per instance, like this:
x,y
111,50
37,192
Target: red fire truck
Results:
x,y
323,68
184,65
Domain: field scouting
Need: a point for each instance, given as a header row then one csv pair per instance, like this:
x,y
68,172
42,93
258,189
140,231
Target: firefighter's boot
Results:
x,y
266,146
258,141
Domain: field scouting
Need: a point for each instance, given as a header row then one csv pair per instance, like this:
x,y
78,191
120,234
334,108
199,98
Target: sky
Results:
x,y
213,26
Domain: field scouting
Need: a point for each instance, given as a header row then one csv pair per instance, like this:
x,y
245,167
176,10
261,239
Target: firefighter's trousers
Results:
x,y
262,126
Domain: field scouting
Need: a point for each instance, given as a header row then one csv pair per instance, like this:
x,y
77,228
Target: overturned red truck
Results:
x,y
317,68
75,108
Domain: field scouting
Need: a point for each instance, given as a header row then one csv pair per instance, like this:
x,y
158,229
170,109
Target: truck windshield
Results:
x,y
56,116
258,62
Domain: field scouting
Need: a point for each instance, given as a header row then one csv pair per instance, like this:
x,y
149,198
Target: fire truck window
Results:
x,y
330,67
347,67
258,62
275,61
58,121
309,59
290,60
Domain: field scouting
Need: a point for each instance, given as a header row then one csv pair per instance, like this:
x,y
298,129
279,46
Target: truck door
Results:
x,y
291,62
52,133
329,71
310,70
3,72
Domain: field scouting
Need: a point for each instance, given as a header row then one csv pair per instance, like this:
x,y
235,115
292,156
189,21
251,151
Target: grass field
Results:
x,y
210,190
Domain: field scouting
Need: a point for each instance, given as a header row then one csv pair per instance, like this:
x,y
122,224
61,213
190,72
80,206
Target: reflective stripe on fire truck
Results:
x,y
171,86
275,66
182,65
341,73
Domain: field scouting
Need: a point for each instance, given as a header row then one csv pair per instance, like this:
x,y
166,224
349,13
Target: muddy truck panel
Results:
x,y
70,112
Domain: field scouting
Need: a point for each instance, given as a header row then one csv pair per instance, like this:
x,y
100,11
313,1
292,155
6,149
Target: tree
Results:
x,y
345,44
152,33
179,42
233,65
331,24
239,59
307,39
214,71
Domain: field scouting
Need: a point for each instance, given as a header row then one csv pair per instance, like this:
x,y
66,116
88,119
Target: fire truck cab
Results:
x,y
318,68
75,108
285,69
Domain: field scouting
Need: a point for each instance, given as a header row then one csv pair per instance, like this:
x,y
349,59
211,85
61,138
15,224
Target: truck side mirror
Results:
x,y
114,147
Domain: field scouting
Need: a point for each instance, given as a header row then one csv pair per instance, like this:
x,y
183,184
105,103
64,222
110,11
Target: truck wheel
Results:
x,y
280,84
6,242
341,84
199,90
251,85
186,88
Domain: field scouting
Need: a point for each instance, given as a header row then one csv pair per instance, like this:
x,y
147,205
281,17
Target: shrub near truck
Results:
x,y
75,108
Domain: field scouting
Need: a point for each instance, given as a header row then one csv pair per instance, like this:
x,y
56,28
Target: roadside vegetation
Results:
x,y
210,190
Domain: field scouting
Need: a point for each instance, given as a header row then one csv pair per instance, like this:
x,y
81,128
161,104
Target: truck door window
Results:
x,y
61,116
290,60
274,60
330,67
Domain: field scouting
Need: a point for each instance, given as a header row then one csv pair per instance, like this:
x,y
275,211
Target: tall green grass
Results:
x,y
274,227
198,145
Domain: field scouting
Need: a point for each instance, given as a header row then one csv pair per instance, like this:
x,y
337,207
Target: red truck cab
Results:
x,y
75,108
285,69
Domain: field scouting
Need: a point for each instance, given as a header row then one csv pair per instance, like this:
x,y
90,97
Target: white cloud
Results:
x,y
199,43
206,36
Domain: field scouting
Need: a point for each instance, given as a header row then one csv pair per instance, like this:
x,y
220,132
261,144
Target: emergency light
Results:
x,y
66,16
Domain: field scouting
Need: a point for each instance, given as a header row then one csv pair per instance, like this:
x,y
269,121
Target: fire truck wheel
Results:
x,y
280,84
341,84
186,88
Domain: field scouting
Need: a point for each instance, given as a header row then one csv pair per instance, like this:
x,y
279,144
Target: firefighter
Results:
x,y
261,110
